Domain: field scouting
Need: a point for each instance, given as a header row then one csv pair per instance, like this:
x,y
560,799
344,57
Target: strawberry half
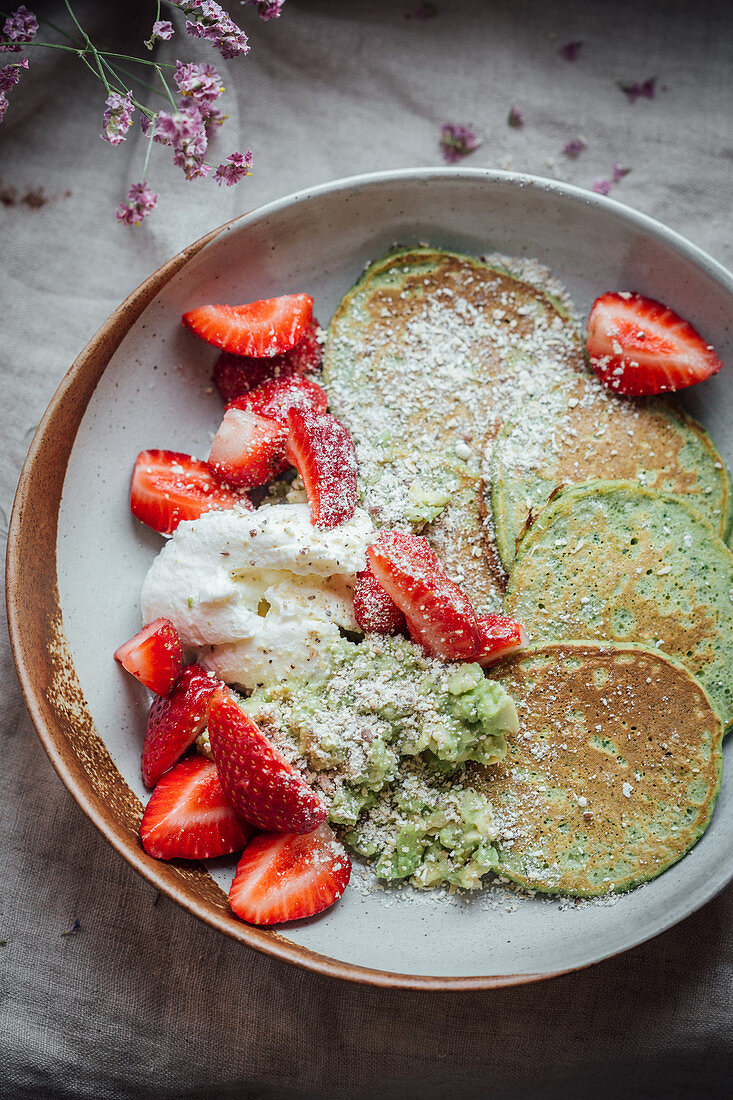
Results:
x,y
500,636
287,877
257,780
248,449
439,614
374,609
264,328
323,452
188,816
235,375
278,396
154,656
168,487
639,346
176,722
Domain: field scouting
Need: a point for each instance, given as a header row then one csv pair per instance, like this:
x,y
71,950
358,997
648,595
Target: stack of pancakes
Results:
x,y
600,522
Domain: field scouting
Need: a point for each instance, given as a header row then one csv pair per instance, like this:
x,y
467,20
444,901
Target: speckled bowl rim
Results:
x,y
31,556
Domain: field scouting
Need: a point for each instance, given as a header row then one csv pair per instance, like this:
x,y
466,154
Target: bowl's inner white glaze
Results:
x,y
156,392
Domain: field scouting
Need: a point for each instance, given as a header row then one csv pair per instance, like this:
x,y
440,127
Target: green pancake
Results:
x,y
613,774
578,430
425,356
609,560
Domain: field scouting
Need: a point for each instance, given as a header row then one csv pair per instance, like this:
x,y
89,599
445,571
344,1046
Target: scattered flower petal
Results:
x,y
516,118
20,27
573,148
602,187
640,89
141,203
117,117
457,142
570,50
236,167
619,171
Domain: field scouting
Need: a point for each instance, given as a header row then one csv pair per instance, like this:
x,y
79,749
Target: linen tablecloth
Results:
x,y
142,1000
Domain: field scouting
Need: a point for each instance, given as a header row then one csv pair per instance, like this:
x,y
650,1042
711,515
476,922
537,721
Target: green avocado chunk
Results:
x,y
388,732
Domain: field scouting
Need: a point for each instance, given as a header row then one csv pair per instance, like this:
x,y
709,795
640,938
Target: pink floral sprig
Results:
x,y
117,118
162,32
237,166
207,19
267,9
9,77
140,204
457,142
20,28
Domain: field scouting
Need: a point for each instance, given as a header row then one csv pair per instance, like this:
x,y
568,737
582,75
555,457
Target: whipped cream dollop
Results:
x,y
257,595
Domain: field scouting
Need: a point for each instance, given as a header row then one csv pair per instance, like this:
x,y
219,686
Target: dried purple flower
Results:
x,y
573,148
640,89
602,187
186,132
117,117
570,50
515,118
236,167
457,142
201,82
141,203
162,32
619,171
10,75
207,19
20,27
267,9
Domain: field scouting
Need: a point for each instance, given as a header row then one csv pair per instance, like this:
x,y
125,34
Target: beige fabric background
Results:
x,y
144,1001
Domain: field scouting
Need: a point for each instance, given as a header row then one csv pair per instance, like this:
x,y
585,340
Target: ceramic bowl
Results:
x,y
77,558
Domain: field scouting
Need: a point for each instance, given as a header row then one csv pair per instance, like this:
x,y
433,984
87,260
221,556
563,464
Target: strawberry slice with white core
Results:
x,y
248,449
168,487
323,452
259,783
278,396
638,346
175,723
235,375
188,816
439,614
264,328
374,609
154,656
283,877
500,636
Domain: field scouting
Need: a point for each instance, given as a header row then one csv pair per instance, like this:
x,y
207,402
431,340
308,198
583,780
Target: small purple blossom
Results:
x,y
640,89
201,82
267,9
186,132
207,19
10,75
140,204
117,117
20,27
602,187
619,171
457,142
570,50
236,167
573,148
162,32
515,118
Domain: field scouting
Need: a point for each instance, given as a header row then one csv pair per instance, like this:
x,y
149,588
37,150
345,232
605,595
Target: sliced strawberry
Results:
x,y
324,454
265,328
188,816
248,449
168,487
176,722
374,609
257,780
439,614
500,636
639,346
289,876
154,656
235,375
278,396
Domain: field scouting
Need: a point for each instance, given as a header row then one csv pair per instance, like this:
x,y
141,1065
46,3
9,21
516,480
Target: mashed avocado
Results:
x,y
384,732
